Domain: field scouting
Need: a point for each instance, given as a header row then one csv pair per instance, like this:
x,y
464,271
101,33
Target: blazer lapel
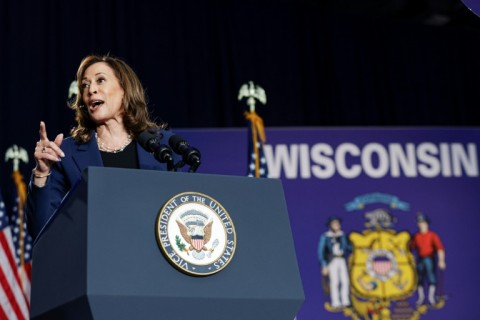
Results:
x,y
87,155
147,161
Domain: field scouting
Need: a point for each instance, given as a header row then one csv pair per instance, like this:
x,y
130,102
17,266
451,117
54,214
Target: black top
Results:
x,y
123,159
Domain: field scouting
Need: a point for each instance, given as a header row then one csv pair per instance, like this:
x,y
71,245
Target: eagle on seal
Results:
x,y
197,235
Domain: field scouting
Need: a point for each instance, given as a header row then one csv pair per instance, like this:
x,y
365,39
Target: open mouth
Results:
x,y
95,104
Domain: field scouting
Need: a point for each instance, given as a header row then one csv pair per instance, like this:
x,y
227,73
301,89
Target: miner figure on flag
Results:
x,y
257,164
430,252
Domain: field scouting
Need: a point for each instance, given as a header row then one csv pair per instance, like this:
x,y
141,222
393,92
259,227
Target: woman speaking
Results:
x,y
110,113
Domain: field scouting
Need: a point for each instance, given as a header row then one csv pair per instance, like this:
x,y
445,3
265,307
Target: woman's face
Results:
x,y
102,93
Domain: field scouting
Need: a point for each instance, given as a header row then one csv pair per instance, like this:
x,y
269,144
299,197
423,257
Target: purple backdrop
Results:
x,y
473,5
434,171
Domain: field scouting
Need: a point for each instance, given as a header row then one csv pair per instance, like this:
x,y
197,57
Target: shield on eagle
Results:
x,y
197,242
196,229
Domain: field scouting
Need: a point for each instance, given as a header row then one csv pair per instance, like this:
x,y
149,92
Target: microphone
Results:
x,y
190,155
150,140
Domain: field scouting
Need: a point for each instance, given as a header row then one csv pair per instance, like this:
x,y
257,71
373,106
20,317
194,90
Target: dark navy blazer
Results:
x,y
42,202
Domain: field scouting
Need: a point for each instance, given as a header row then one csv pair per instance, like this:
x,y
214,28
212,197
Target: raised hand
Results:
x,y
46,153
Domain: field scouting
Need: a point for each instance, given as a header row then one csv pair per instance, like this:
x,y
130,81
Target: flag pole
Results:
x,y
17,154
22,197
258,131
253,93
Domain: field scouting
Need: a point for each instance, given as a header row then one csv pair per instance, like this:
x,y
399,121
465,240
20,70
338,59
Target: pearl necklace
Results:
x,y
105,148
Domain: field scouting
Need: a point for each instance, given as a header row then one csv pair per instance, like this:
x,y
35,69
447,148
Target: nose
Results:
x,y
92,89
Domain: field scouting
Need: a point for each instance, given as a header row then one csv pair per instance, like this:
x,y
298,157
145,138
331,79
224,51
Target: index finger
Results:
x,y
43,131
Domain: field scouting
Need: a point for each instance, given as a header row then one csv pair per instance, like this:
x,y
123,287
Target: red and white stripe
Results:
x,y
14,303
382,267
197,243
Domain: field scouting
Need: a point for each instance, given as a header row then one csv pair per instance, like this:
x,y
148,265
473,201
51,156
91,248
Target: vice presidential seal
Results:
x,y
196,234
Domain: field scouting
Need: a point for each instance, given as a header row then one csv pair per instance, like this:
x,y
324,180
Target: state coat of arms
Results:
x,y
380,272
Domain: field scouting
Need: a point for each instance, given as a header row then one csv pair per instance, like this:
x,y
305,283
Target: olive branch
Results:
x,y
179,243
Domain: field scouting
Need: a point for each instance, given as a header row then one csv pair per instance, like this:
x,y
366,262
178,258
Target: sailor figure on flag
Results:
x,y
333,248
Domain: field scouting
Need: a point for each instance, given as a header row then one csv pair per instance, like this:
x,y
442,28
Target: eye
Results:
x,y
101,80
84,86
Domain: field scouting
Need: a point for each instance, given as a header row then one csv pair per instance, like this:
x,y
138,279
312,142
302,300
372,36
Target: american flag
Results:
x,y
15,257
257,163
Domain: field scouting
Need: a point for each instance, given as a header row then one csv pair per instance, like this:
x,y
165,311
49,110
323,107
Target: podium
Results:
x,y
98,257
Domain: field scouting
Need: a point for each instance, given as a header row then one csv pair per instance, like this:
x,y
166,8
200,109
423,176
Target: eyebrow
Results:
x,y
85,78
